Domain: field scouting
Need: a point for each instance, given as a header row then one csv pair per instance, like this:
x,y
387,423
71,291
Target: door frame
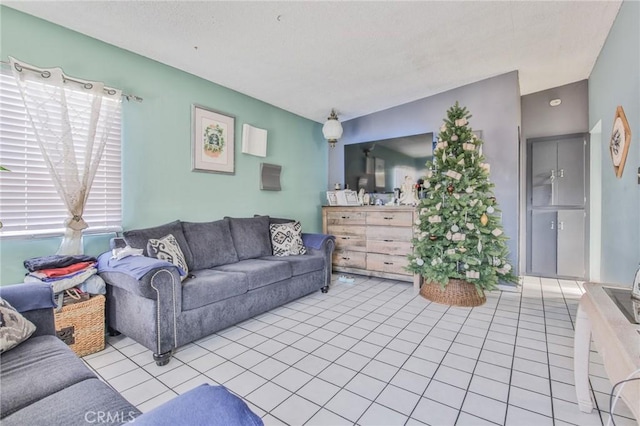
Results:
x,y
529,194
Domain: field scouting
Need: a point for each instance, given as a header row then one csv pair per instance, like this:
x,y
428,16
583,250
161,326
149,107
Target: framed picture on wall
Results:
x,y
212,141
620,141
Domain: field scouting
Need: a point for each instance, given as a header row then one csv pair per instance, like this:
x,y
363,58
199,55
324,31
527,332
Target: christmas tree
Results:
x,y
458,230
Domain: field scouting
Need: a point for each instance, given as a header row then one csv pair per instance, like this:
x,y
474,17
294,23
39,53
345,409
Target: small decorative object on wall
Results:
x,y
270,177
254,141
620,141
212,141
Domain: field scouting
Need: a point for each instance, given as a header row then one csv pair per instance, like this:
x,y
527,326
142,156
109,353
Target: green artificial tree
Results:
x,y
458,230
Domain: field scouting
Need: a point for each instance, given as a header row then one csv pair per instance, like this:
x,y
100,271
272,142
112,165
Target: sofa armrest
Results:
x,y
35,302
158,280
317,241
321,244
161,290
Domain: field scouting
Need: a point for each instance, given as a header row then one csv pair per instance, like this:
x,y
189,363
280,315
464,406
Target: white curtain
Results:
x,y
71,119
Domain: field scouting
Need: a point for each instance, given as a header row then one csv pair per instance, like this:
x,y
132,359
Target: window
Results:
x,y
29,203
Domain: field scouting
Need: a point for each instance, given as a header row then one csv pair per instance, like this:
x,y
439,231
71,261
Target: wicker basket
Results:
x,y
81,325
456,293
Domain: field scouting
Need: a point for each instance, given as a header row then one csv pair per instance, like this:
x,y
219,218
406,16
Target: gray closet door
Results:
x,y
543,172
571,243
569,188
543,242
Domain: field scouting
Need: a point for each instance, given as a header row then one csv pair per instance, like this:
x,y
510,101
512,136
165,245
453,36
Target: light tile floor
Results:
x,y
373,353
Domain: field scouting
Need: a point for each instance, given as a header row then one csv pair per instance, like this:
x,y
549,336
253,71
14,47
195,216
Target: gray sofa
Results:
x,y
43,381
233,276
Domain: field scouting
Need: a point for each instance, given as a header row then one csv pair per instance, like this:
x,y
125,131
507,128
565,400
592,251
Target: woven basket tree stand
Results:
x,y
456,293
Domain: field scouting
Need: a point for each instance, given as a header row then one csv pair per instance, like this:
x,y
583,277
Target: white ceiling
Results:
x,y
358,57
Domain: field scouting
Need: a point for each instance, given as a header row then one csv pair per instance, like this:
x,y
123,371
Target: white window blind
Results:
x,y
29,203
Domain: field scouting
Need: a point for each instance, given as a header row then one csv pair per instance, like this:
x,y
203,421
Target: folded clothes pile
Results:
x,y
63,272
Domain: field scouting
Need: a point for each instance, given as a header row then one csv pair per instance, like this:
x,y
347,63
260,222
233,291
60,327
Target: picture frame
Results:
x,y
619,141
212,141
332,198
347,197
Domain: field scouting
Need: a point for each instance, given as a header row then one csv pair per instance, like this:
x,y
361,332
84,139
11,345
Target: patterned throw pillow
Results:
x,y
14,328
167,249
286,239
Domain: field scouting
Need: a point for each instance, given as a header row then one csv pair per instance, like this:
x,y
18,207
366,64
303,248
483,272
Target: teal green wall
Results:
x,y
158,184
615,80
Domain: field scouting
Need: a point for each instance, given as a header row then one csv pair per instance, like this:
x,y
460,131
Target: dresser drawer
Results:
x,y
345,217
387,263
393,218
344,230
389,233
397,248
350,242
350,259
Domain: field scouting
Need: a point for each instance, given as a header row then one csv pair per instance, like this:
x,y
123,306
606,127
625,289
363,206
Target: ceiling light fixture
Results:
x,y
555,102
332,129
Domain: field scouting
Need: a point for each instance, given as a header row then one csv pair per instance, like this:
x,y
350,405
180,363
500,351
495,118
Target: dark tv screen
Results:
x,y
382,165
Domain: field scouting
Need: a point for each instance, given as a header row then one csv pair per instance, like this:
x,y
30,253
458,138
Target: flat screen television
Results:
x,y
380,166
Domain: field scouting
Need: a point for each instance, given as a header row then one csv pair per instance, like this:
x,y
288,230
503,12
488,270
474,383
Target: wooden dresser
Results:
x,y
371,240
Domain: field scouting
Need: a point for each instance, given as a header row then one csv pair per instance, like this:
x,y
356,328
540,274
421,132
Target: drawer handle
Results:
x,y
345,217
388,241
388,217
345,258
388,263
346,238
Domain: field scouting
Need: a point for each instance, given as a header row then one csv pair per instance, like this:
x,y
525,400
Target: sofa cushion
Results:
x,y
167,249
88,402
138,238
210,286
286,239
259,272
210,243
14,328
46,358
251,236
300,264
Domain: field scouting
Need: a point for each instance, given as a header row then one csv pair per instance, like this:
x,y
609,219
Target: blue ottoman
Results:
x,y
203,405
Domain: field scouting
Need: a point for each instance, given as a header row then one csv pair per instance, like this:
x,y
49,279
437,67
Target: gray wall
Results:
x,y
539,119
495,105
615,81
571,116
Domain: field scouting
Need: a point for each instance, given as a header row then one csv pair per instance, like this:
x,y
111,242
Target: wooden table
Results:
x,y
617,341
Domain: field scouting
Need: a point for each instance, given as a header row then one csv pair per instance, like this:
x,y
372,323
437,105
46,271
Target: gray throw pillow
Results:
x,y
138,238
286,239
167,249
210,244
14,328
251,236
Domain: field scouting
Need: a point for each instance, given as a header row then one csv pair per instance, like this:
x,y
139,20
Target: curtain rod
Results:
x,y
47,74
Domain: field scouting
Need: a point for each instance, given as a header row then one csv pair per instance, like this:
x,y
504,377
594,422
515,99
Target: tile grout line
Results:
x,y
493,316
